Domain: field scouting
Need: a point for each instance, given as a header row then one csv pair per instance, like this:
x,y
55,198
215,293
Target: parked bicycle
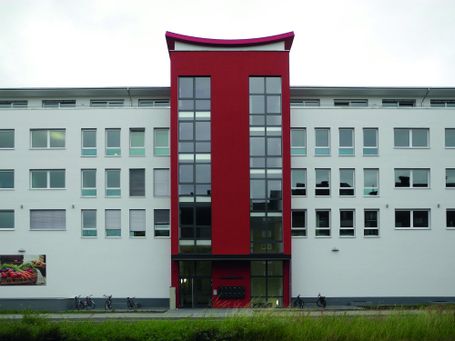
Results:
x,y
298,302
321,302
108,302
131,303
84,303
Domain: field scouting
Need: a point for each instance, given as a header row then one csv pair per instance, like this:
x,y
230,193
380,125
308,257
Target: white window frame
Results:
x,y
411,210
411,178
88,151
48,179
135,231
113,228
410,132
352,170
158,226
371,228
446,178
48,137
155,170
159,150
117,190
113,151
14,140
11,171
318,229
299,150
447,219
299,229
371,188
89,232
321,150
9,211
316,188
137,150
452,130
297,188
371,150
346,150
91,190
347,228
52,219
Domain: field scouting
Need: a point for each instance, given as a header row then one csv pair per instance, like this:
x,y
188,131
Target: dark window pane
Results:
x,y
186,216
402,219
137,182
420,218
203,216
298,219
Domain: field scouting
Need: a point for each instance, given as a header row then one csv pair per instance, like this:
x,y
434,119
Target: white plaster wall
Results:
x,y
398,262
123,267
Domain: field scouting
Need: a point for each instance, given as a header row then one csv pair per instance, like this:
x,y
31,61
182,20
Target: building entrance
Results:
x,y
195,284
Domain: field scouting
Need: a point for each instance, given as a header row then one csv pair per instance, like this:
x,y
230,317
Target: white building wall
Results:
x,y
398,262
75,265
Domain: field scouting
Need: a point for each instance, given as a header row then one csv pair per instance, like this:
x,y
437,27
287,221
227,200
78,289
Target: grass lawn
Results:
x,y
430,325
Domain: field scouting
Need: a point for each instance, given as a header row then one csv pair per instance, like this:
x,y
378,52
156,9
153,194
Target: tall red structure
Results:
x,y
230,171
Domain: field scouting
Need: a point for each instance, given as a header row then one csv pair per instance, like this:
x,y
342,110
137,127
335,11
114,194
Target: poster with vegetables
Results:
x,y
22,269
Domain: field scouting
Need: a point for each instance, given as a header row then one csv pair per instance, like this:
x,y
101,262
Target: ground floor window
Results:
x,y
267,283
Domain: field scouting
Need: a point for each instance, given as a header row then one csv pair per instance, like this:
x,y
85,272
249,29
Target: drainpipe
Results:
x,y
424,97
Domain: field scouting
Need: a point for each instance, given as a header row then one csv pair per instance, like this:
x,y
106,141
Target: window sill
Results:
x,y
52,230
7,189
407,188
7,229
47,189
346,196
413,228
370,155
371,196
88,196
372,237
141,237
6,148
300,237
450,228
89,156
137,197
43,148
112,156
89,237
347,237
113,237
411,147
323,237
113,197
162,237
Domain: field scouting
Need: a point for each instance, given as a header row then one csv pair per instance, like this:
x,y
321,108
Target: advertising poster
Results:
x,y
22,270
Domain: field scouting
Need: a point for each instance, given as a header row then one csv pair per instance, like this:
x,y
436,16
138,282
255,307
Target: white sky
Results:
x,y
51,43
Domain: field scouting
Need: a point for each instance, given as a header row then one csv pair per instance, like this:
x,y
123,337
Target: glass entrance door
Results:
x,y
195,284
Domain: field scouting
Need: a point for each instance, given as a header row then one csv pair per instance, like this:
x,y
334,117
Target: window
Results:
x,y
370,142
112,142
153,102
104,103
59,103
371,223
412,178
322,145
398,103
162,222
48,220
161,141
322,223
137,223
13,104
350,102
88,142
322,181
449,138
6,219
113,183
298,142
137,182
48,138
298,179
347,228
298,228
347,184
161,183
88,220
450,218
346,141
6,138
137,142
412,219
371,182
411,137
88,182
442,103
450,177
305,102
6,178
113,223
47,178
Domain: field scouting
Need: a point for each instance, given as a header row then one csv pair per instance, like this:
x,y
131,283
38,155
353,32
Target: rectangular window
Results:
x,y
137,141
298,228
153,102
347,184
6,138
450,218
298,179
48,138
411,137
6,219
398,103
350,102
370,142
106,103
442,103
113,222
305,102
112,142
6,178
322,181
88,182
161,141
47,178
371,223
137,223
298,142
113,183
322,223
322,145
161,222
161,186
88,221
88,143
59,103
450,177
347,225
412,178
371,182
13,104
346,140
449,138
137,182
48,220
412,219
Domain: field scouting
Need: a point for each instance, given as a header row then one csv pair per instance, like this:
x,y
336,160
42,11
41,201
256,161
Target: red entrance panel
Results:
x,y
229,64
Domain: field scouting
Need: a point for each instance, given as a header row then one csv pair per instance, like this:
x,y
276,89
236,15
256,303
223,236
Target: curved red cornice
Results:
x,y
171,38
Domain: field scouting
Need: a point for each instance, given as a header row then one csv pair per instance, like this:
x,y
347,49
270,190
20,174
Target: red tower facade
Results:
x,y
230,171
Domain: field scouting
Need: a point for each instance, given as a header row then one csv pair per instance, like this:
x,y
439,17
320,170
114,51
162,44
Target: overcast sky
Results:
x,y
51,43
